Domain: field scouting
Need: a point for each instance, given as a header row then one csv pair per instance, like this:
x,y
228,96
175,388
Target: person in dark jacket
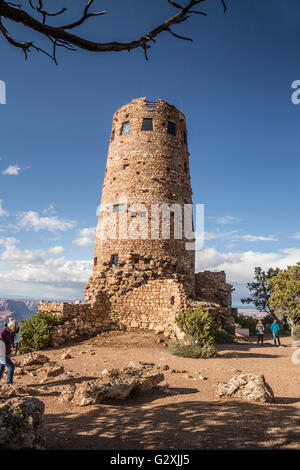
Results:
x,y
7,335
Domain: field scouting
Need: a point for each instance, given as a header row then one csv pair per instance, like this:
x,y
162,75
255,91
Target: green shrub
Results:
x,y
247,322
229,328
223,337
179,348
296,333
35,332
198,326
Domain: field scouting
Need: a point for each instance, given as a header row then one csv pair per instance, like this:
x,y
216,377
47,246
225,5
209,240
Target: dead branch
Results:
x,y
59,36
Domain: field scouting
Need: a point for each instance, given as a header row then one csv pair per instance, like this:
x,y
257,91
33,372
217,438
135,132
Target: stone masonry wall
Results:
x,y
78,321
212,287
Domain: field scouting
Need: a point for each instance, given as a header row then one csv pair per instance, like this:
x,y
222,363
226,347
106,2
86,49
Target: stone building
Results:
x,y
144,262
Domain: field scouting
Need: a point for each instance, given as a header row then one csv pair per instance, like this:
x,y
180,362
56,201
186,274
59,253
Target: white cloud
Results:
x,y
33,273
7,241
3,213
85,237
220,235
255,238
33,221
296,236
235,236
239,266
12,170
49,209
228,219
56,250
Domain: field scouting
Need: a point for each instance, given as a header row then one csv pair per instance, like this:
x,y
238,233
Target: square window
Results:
x,y
136,260
147,261
132,214
114,260
143,214
147,124
125,167
125,128
118,207
171,128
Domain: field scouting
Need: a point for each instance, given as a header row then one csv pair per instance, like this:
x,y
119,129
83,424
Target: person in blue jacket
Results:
x,y
275,331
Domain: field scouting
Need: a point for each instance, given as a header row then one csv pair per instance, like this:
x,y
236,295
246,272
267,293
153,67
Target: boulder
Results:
x,y
249,387
8,391
53,370
35,358
118,384
21,424
67,394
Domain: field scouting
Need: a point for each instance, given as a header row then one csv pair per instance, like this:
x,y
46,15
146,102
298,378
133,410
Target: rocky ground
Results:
x,y
182,412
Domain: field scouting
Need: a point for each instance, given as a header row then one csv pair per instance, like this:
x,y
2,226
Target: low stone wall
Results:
x,y
78,321
137,300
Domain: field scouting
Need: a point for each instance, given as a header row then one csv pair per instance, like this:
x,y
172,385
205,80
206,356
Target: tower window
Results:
x,y
185,167
171,128
136,260
112,135
95,261
143,214
114,260
147,261
132,214
118,207
126,166
184,138
172,300
125,128
147,124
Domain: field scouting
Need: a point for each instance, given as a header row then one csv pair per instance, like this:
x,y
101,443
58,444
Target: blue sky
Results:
x,y
233,82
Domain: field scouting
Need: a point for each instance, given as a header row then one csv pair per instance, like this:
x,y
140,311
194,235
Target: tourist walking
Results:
x,y
275,328
260,329
7,335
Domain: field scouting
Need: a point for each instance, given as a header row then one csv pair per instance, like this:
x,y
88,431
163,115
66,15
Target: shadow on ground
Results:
x,y
182,425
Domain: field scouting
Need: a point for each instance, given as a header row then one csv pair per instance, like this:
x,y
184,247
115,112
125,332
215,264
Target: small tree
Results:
x,y
285,294
35,332
260,291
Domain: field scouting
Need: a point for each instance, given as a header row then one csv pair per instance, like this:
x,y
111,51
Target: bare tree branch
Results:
x,y
60,36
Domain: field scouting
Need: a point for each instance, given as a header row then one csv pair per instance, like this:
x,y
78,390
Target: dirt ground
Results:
x,y
188,416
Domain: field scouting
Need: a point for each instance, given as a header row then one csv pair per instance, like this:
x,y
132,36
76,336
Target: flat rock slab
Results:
x,y
248,387
118,384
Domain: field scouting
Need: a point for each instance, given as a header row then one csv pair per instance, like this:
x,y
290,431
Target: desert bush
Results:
x,y
199,329
223,337
296,333
198,326
179,348
247,322
35,332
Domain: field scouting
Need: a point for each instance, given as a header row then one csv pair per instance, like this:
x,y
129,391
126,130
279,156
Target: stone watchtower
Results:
x,y
144,267
139,268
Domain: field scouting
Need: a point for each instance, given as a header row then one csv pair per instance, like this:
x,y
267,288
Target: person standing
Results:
x,y
260,332
7,335
275,328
